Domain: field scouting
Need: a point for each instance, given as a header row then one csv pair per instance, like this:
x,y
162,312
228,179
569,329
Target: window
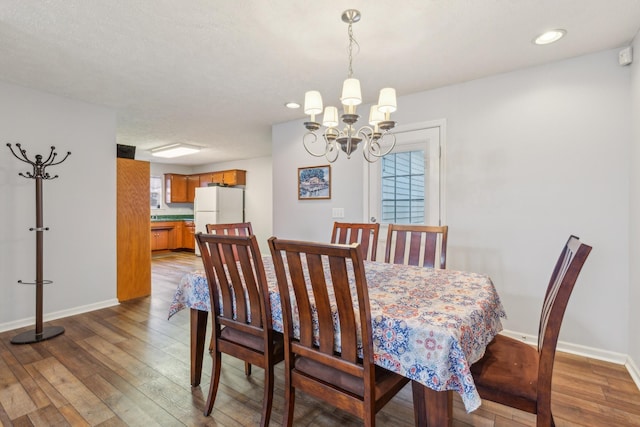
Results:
x,y
156,192
402,185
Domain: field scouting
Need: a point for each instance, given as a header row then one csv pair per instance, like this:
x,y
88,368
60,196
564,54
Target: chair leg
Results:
x,y
215,379
545,420
247,368
289,400
369,418
267,400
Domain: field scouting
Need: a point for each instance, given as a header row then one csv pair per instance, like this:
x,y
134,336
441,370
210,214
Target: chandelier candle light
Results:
x,y
348,138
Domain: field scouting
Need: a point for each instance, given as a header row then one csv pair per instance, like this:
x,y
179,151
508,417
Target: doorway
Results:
x,y
406,186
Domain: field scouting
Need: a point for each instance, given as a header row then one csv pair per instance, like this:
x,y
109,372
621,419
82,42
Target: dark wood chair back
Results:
x,y
231,229
516,374
329,287
364,233
421,245
241,311
236,229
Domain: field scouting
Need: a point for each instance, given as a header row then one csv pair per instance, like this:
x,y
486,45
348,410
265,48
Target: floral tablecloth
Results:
x,y
428,325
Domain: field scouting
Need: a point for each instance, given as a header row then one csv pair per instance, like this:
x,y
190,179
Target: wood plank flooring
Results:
x,y
129,365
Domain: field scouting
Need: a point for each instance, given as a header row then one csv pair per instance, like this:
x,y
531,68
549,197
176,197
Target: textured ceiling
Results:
x,y
216,73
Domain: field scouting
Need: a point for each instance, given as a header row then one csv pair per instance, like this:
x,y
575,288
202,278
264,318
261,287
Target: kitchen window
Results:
x,y
156,192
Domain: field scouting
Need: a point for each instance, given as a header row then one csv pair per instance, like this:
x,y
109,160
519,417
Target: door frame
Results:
x,y
442,125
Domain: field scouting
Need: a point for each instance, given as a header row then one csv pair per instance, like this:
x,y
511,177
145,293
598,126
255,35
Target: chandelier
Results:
x,y
376,138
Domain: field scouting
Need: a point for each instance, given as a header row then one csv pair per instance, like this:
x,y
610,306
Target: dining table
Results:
x,y
429,325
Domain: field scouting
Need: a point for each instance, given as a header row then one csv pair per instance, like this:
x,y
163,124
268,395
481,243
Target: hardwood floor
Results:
x,y
129,365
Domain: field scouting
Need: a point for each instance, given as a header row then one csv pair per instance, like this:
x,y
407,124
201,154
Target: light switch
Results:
x,y
338,213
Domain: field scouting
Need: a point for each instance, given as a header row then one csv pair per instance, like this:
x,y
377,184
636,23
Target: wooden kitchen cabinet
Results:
x,y
193,182
171,235
175,188
188,235
166,235
234,177
160,239
227,178
182,188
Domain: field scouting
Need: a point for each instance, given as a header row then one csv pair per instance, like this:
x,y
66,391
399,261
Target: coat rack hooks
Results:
x,y
39,174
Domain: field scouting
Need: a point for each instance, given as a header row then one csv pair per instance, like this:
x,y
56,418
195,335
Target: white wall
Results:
x,y
79,206
634,198
258,194
311,219
532,157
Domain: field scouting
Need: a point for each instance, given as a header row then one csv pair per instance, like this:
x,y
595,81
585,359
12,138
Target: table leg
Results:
x,y
198,332
432,408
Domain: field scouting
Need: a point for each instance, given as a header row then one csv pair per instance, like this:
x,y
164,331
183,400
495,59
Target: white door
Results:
x,y
423,143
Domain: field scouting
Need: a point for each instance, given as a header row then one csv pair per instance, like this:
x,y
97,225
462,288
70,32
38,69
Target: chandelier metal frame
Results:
x,y
377,139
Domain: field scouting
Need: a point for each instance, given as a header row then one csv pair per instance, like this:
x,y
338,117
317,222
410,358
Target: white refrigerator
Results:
x,y
217,205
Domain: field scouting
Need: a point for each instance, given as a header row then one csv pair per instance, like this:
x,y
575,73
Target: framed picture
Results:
x,y
314,183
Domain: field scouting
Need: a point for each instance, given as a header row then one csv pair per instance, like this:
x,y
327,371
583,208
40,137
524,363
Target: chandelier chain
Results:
x,y
352,41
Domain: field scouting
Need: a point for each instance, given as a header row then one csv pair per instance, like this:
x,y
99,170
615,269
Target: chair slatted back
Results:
x,y
231,229
237,229
564,276
239,287
364,233
310,269
419,245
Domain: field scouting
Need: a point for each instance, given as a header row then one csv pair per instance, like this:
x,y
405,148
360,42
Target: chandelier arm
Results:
x,y
315,139
378,141
367,133
332,149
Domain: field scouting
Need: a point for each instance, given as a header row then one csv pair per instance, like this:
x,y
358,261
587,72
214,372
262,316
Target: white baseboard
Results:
x,y
58,314
633,371
581,350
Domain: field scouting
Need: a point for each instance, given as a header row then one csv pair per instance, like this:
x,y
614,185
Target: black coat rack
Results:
x,y
39,174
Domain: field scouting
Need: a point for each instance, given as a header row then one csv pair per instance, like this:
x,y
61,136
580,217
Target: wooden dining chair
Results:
x,y
233,229
419,245
518,375
317,276
237,229
241,310
364,233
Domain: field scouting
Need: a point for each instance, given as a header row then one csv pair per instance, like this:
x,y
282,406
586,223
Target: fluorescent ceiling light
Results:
x,y
550,36
292,105
174,150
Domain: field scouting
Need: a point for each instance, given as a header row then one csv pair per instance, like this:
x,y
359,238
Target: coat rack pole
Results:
x,y
38,174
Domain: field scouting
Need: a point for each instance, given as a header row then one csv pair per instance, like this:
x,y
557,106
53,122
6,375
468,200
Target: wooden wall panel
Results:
x,y
134,228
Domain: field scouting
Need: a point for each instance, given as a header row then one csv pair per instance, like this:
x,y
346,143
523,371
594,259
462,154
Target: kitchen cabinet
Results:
x,y
193,182
182,188
234,177
160,239
227,178
166,235
175,188
188,235
172,235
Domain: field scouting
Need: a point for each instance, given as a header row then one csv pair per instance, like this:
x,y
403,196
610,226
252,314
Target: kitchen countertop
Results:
x,y
166,218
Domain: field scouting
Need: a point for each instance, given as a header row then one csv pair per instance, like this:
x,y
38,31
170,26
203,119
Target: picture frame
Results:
x,y
314,182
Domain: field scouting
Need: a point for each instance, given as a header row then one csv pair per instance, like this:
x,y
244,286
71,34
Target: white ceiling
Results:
x,y
216,73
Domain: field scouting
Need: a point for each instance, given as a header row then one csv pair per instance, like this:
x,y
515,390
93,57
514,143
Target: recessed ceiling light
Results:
x,y
550,36
292,105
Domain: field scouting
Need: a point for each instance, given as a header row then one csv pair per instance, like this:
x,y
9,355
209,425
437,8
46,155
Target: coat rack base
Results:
x,y
31,337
